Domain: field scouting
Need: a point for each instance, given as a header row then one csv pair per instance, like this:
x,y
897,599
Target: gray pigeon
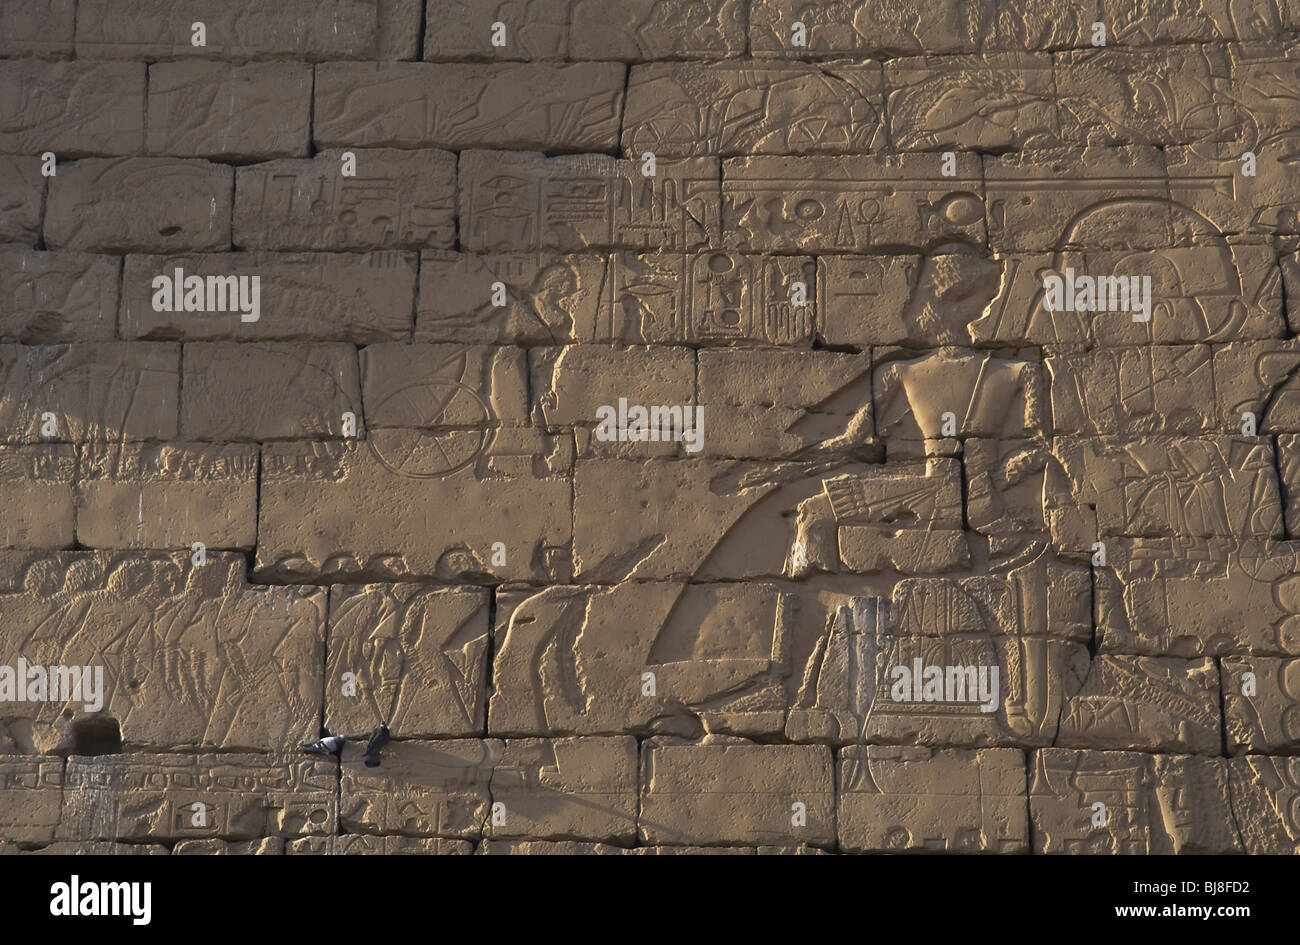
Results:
x,y
378,739
330,745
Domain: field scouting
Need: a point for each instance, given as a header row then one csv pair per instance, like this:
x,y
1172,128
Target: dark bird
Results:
x,y
329,745
378,739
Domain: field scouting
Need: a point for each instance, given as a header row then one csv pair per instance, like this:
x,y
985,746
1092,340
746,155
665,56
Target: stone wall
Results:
x,y
746,426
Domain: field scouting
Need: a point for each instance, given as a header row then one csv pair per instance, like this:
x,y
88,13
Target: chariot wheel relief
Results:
x,y
449,426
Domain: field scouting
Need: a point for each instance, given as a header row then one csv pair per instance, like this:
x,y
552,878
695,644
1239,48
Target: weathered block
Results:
x,y
709,299
230,111
682,109
582,386
179,797
22,190
269,391
72,108
113,391
574,106
466,30
850,204
361,844
1133,391
413,657
397,200
637,30
415,503
1261,704
1125,802
1145,702
897,799
39,28
48,298
140,205
1264,794
38,483
459,389
736,793
511,201
166,496
548,298
645,657
358,298
419,789
1096,198
768,403
175,654
1196,597
32,797
1103,95
565,788
976,103
1132,485
249,29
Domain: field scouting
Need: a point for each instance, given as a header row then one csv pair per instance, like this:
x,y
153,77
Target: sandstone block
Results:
x,y
898,799
1261,704
268,391
638,30
1130,803
709,299
681,109
174,655
38,483
353,297
419,789
93,392
511,201
566,788
41,28
396,200
248,29
394,506
166,496
413,657
50,298
220,110
544,106
140,205
849,204
720,793
72,107
238,797
548,298
22,190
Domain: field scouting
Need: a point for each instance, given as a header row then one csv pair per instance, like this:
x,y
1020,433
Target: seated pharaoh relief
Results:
x,y
844,526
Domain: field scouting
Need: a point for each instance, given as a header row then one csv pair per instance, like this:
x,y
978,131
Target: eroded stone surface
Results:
x,y
360,298
137,797
686,108
393,200
217,663
427,105
109,392
736,793
896,799
414,658
140,205
1126,802
512,201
